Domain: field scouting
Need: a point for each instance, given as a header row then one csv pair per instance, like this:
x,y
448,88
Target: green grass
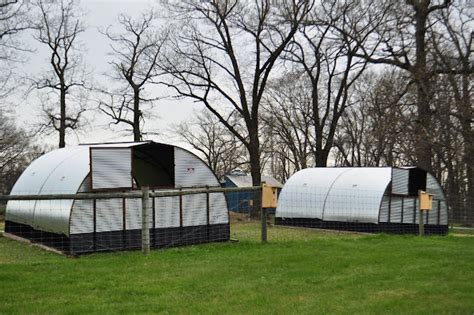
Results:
x,y
297,271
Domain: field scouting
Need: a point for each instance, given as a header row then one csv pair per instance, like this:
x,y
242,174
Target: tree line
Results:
x,y
284,85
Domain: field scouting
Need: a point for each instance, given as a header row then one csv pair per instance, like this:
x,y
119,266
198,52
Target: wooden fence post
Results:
x,y
145,223
263,212
421,228
264,225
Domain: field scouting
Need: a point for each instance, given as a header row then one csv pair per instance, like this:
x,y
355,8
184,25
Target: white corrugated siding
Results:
x,y
396,209
82,219
58,172
191,172
304,194
167,212
400,181
356,196
383,217
335,194
65,171
410,210
218,209
416,212
439,201
133,214
109,215
444,213
194,210
111,168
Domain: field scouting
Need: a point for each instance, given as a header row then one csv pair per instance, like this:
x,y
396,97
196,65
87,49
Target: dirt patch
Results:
x,y
236,217
462,235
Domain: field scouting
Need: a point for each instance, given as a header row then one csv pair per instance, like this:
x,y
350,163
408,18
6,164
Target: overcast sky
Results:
x,y
99,15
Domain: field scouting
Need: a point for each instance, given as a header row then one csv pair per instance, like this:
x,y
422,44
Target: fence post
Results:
x,y
94,222
263,215
208,214
264,225
421,223
145,223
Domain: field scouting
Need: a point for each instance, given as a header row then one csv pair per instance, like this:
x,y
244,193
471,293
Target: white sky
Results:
x,y
99,15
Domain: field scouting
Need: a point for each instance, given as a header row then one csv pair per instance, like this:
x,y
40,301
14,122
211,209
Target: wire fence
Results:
x,y
461,211
109,221
155,219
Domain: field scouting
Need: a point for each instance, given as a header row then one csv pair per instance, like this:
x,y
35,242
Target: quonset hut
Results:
x,y
364,199
80,226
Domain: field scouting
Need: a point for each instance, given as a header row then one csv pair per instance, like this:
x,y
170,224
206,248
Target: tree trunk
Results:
x,y
254,154
468,154
321,157
423,148
137,136
62,119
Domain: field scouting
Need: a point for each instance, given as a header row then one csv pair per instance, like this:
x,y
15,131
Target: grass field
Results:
x,y
298,271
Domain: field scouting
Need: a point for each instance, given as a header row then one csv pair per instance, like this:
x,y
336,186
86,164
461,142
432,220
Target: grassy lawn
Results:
x,y
298,271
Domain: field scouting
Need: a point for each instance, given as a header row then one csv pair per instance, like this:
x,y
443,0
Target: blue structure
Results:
x,y
243,201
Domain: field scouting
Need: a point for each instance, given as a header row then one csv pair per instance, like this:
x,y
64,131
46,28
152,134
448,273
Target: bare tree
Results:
x,y
16,151
13,142
225,61
377,130
448,142
325,53
401,41
453,42
287,114
59,25
221,150
136,52
13,20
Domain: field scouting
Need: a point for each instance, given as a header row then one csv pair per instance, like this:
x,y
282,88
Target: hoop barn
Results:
x,y
366,199
82,226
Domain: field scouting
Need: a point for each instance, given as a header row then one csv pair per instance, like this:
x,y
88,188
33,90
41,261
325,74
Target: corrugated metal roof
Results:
x,y
189,174
63,171
335,194
246,181
57,172
358,194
